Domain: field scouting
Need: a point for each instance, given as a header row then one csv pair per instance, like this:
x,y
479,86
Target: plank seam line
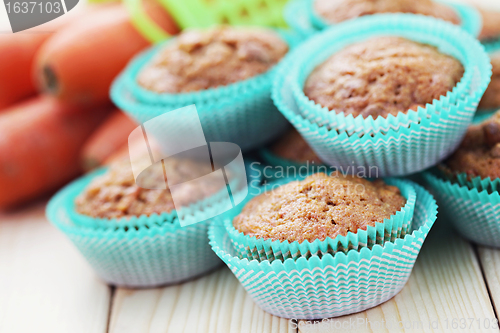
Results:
x,y
110,307
486,282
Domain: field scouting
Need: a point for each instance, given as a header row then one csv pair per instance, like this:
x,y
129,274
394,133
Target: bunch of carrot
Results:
x,y
56,119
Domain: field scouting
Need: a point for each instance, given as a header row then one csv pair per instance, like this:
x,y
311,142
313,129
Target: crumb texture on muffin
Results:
x,y
479,152
341,10
491,97
115,194
318,207
382,76
202,59
292,146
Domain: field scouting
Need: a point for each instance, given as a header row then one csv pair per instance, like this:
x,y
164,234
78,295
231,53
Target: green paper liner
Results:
x,y
330,286
397,226
242,112
473,211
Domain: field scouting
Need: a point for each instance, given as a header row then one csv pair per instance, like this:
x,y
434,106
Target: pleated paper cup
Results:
x,y
142,251
197,210
241,112
395,146
301,16
330,286
397,226
472,206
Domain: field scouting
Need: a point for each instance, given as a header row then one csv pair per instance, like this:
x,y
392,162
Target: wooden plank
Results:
x,y
45,284
214,303
446,291
490,262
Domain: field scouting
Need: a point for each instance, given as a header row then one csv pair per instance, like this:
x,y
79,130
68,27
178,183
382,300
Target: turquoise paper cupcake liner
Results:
x,y
397,226
492,45
330,286
196,210
302,11
483,115
396,146
242,112
275,160
143,251
447,37
144,256
475,213
481,184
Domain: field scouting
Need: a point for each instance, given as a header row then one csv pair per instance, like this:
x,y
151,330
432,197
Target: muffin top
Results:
x,y
293,147
479,152
202,59
382,76
491,97
318,207
491,24
115,194
342,10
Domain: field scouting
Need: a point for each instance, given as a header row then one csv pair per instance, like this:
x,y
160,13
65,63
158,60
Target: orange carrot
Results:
x,y
17,55
107,139
40,146
79,63
136,146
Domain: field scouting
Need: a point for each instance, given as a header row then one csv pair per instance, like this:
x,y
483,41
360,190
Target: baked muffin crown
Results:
x,y
479,153
341,10
115,194
317,207
203,59
382,76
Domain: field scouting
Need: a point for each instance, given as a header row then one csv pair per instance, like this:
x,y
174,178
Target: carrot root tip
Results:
x,y
50,82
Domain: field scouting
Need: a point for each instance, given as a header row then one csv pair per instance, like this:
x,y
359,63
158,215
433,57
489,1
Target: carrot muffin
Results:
x,y
318,207
491,97
342,10
202,59
293,147
382,76
479,152
116,194
491,24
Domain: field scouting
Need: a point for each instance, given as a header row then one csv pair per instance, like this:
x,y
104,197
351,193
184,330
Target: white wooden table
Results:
x,y
47,286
